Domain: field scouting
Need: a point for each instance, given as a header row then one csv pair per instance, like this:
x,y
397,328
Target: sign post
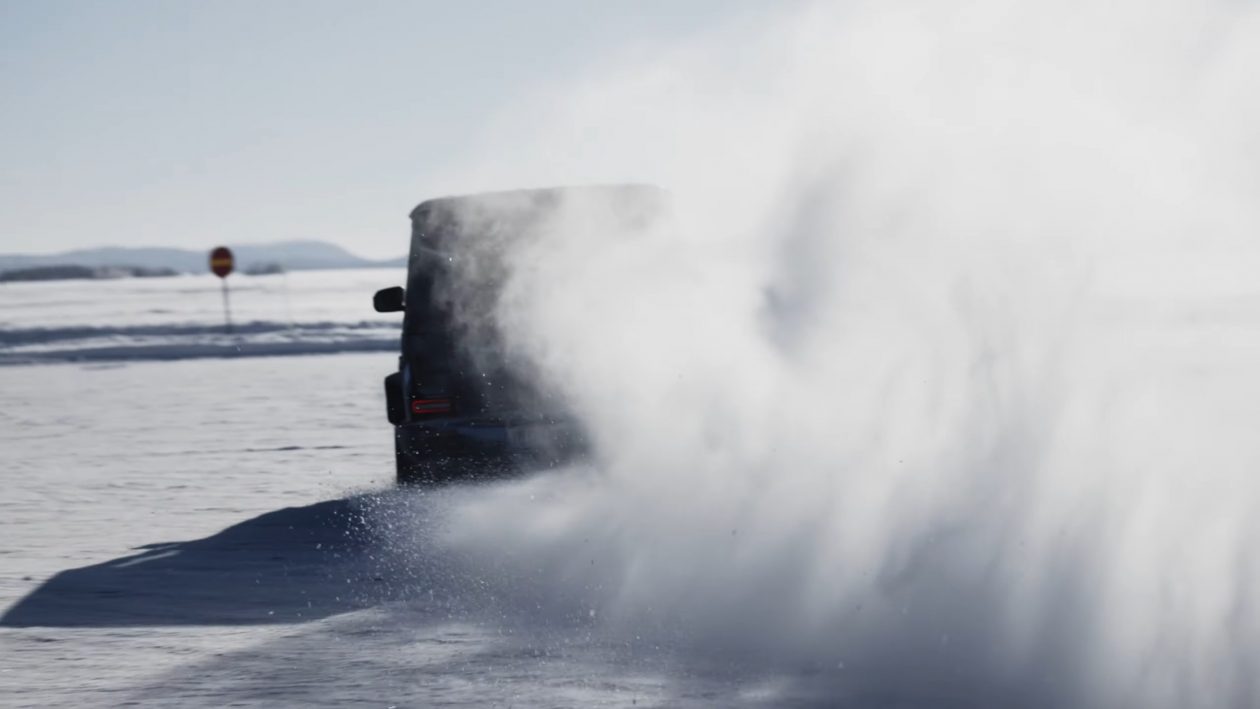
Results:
x,y
221,266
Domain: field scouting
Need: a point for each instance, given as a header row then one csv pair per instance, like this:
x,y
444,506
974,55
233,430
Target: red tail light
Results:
x,y
431,407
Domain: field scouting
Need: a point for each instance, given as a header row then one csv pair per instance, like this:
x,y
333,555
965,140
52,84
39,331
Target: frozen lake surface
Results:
x,y
215,531
179,317
184,529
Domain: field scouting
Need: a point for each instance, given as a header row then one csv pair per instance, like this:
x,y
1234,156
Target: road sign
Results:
x,y
221,265
221,261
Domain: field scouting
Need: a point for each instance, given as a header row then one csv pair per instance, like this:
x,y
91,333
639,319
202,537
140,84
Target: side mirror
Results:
x,y
389,300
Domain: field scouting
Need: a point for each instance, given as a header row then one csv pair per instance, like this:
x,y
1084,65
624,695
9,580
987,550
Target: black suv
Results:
x,y
462,407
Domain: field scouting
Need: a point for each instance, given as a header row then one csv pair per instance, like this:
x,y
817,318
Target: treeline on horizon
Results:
x,y
72,272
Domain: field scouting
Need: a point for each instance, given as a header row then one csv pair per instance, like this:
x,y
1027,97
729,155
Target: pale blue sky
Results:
x,y
167,123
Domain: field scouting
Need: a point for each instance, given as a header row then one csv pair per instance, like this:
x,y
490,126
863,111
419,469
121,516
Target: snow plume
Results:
x,y
946,374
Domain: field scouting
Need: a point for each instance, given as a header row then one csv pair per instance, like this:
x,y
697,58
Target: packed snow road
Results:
x,y
213,532
177,529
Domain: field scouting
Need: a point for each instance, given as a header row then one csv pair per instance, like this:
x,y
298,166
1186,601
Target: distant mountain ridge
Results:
x,y
292,255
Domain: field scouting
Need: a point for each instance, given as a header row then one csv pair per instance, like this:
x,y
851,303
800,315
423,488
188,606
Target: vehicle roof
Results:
x,y
539,194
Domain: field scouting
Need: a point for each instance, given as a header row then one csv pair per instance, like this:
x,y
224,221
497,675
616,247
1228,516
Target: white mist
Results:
x,y
947,373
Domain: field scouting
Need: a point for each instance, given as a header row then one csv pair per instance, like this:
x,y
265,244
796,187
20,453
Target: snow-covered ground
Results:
x,y
215,531
178,529
207,532
304,312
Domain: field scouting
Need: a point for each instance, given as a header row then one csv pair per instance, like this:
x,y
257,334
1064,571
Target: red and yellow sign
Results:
x,y
221,261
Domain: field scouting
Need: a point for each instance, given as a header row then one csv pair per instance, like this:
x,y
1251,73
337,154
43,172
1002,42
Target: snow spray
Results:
x,y
946,373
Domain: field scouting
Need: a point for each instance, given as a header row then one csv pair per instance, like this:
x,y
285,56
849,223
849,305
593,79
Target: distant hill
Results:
x,y
291,255
64,273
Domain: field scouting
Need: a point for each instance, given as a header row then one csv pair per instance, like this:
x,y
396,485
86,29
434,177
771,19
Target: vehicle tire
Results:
x,y
432,470
423,459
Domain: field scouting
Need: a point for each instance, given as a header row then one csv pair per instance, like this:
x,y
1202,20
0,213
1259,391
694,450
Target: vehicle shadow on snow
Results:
x,y
287,566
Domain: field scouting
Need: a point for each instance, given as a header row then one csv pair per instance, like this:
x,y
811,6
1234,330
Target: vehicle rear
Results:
x,y
463,404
